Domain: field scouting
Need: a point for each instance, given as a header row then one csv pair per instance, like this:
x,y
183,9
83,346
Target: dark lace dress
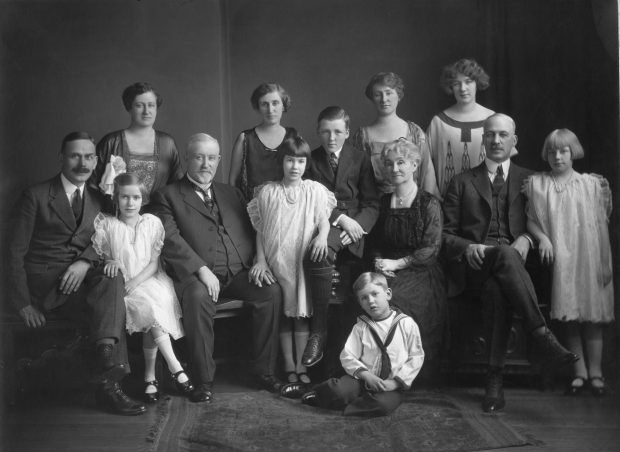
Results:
x,y
259,163
419,290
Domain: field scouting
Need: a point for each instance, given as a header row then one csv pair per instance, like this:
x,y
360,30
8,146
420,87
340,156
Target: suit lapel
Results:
x,y
90,210
60,204
480,181
514,182
344,162
191,198
323,166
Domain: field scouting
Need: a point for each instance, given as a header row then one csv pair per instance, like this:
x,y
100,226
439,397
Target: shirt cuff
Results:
x,y
335,222
358,371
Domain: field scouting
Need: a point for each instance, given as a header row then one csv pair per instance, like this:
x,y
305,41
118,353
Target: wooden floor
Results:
x,y
553,421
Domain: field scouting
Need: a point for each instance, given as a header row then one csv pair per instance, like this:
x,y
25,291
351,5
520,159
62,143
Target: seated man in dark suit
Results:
x,y
348,173
486,243
53,268
209,248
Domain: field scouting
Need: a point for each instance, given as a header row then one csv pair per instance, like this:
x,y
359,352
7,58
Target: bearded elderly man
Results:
x,y
54,270
208,250
486,242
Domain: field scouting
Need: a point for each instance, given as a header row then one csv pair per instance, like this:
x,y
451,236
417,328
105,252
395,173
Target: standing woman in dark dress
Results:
x,y
254,152
407,239
147,152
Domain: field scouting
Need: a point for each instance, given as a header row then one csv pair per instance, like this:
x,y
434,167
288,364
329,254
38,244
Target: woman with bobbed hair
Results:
x,y
568,213
139,148
254,154
385,90
455,134
406,242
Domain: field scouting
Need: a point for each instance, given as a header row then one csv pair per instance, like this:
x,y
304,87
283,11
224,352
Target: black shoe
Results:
x,y
107,369
309,398
293,390
185,388
598,391
313,352
268,382
202,393
111,397
574,390
151,397
494,392
552,351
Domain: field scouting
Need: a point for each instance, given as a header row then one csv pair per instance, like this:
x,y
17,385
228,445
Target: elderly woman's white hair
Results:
x,y
403,148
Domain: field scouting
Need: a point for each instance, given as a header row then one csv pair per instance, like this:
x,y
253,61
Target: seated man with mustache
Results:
x,y
486,242
209,250
53,268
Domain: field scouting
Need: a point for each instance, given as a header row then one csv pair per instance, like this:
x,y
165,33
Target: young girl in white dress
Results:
x,y
568,214
291,218
131,244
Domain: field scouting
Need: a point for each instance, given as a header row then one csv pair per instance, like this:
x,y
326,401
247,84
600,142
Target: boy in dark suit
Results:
x,y
347,172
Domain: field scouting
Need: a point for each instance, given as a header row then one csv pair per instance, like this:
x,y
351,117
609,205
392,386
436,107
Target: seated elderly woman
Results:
x,y
386,90
406,242
139,148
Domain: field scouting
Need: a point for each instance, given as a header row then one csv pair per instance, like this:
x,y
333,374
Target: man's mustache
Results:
x,y
81,170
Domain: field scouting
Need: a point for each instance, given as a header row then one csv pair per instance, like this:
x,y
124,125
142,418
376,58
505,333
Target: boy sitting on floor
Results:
x,y
381,357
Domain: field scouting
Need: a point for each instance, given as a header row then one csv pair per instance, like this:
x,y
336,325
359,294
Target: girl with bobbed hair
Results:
x,y
406,242
140,149
455,134
254,154
385,90
568,213
291,218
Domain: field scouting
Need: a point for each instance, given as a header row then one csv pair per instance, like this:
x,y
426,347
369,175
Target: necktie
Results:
x,y
498,182
386,365
333,162
76,204
208,199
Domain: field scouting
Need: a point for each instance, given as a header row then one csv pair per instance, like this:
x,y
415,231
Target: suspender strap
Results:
x,y
386,365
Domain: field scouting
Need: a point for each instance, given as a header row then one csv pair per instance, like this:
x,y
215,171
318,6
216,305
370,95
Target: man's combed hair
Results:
x,y
75,136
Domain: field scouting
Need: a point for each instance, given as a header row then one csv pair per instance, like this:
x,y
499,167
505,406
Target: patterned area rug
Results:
x,y
260,421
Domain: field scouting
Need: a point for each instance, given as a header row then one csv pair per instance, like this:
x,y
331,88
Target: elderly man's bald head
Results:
x,y
499,137
503,117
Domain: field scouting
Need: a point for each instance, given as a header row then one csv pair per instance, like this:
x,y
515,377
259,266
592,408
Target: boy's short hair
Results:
x,y
369,278
332,113
560,138
294,146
